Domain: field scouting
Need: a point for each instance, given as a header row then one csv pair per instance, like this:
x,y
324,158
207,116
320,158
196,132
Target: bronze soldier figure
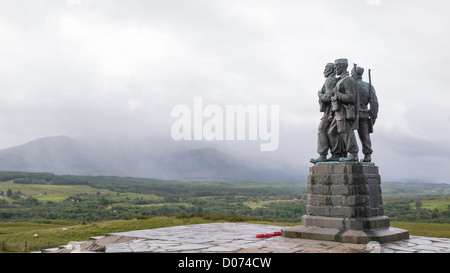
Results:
x,y
345,115
367,117
323,143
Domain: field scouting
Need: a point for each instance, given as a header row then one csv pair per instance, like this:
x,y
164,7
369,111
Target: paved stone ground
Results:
x,y
236,238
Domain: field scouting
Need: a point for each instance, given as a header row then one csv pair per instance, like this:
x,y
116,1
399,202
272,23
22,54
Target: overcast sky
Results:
x,y
116,68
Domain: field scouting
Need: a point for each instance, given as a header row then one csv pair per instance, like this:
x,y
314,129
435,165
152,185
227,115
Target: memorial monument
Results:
x,y
344,201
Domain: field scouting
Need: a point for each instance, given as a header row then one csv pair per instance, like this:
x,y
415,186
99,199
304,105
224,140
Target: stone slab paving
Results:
x,y
237,238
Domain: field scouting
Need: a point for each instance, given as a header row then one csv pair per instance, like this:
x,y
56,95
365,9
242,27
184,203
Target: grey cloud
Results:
x,y
115,67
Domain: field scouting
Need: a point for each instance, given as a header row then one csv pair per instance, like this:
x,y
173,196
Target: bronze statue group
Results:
x,y
344,100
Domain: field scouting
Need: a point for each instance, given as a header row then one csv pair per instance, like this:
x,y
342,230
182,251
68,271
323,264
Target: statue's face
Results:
x,y
328,71
340,68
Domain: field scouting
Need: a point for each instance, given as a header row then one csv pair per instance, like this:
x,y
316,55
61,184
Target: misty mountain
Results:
x,y
145,158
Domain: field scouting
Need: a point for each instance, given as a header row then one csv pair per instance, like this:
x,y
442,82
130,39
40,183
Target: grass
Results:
x,y
51,234
258,204
58,193
425,229
165,204
14,235
55,193
441,202
262,204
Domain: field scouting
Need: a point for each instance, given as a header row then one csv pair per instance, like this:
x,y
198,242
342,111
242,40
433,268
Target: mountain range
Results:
x,y
145,158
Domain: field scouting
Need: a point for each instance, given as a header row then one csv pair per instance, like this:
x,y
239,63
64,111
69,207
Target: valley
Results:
x,y
63,208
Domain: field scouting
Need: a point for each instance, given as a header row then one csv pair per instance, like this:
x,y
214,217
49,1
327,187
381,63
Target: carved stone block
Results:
x,y
345,204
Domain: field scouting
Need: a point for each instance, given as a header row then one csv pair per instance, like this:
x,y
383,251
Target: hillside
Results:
x,y
145,158
45,196
65,208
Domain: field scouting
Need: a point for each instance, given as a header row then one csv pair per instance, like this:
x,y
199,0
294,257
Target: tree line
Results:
x,y
278,201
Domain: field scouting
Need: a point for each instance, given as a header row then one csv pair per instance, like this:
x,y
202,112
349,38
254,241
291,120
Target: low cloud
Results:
x,y
111,68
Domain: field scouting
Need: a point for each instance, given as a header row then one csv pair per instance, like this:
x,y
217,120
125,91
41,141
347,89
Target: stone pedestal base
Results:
x,y
381,235
345,205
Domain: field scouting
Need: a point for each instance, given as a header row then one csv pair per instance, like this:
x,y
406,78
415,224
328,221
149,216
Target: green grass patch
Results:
x,y
55,193
14,235
264,203
258,204
440,202
58,193
425,229
165,204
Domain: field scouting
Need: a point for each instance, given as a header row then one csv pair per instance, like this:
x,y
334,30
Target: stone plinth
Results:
x,y
345,204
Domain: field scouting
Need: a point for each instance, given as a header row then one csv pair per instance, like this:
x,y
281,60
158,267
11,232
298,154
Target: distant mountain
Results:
x,y
147,158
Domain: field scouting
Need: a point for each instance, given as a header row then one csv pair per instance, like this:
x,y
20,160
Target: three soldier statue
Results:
x,y
344,100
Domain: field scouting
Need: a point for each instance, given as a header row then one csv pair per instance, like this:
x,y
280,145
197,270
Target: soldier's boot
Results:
x,y
334,157
367,158
321,158
350,158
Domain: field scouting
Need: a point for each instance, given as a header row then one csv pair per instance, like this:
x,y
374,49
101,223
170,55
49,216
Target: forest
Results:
x,y
42,197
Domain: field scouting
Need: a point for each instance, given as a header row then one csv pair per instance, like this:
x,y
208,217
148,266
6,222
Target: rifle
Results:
x,y
370,100
356,106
